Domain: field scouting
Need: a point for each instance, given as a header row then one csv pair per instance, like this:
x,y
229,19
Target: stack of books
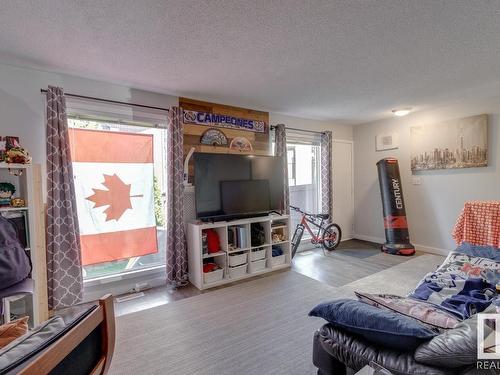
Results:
x,y
237,237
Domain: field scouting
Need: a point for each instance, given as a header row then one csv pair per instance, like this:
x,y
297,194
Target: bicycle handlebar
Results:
x,y
299,210
303,212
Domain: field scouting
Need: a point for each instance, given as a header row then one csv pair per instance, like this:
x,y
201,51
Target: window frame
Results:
x,y
129,116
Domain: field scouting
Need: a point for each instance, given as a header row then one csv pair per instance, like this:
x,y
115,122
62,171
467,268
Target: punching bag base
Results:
x,y
405,249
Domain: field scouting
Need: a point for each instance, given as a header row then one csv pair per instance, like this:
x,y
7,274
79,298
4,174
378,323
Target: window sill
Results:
x,y
123,283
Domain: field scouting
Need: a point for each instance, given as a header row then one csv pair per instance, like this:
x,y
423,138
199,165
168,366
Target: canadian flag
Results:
x,y
114,194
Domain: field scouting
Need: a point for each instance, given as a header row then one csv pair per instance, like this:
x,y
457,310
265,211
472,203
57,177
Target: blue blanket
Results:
x,y
463,285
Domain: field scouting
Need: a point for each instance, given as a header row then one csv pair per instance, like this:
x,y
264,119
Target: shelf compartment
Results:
x,y
281,242
237,272
238,250
258,254
4,165
279,234
217,254
213,277
237,259
278,260
218,275
258,265
280,226
239,235
12,209
263,245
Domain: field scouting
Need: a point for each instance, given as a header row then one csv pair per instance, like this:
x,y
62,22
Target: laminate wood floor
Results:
x,y
352,260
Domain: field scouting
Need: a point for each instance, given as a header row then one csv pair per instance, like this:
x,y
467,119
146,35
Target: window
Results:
x,y
303,157
118,167
291,165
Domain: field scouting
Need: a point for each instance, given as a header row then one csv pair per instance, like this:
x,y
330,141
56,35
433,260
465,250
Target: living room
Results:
x,y
249,187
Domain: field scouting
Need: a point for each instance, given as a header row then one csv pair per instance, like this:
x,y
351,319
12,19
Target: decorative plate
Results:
x,y
213,137
241,144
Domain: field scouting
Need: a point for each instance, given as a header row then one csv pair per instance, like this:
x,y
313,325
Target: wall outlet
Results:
x,y
415,180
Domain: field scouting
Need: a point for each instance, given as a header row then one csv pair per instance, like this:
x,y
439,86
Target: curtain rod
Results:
x,y
299,130
110,101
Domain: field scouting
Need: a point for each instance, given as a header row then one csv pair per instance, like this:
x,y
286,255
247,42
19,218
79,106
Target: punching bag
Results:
x,y
396,227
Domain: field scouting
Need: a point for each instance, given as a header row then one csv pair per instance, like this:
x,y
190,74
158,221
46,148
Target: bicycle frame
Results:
x,y
316,220
315,238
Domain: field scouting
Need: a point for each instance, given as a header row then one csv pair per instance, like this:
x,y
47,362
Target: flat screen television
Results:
x,y
237,186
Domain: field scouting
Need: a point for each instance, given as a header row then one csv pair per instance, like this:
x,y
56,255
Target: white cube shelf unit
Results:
x,y
258,259
27,180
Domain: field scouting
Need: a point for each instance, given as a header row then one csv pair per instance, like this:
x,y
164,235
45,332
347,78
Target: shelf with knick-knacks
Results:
x,y
21,204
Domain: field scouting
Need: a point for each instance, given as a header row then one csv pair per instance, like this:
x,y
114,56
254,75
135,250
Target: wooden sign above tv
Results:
x,y
218,128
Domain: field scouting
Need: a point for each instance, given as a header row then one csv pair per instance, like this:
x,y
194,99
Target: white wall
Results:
x,y
22,106
432,207
340,131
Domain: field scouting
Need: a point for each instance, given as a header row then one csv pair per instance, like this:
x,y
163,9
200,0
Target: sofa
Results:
x,y
444,306
337,352
338,349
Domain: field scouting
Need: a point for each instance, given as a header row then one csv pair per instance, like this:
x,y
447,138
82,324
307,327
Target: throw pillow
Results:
x,y
424,312
12,330
489,252
454,348
382,327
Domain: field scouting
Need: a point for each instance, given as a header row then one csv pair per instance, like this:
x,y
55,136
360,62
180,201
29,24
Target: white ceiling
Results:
x,y
344,60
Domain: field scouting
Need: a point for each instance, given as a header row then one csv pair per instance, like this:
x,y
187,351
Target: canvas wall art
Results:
x,y
461,143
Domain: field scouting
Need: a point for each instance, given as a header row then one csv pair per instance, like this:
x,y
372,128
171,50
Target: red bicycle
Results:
x,y
328,236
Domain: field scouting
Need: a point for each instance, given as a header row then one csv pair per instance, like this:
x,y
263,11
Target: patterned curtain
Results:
x,y
280,150
176,241
64,268
326,174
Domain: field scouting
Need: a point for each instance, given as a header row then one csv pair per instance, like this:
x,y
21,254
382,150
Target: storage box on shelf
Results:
x,y
240,255
279,253
258,253
278,260
258,265
238,271
213,276
237,259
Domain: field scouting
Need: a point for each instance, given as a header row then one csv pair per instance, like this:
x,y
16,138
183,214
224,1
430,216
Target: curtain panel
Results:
x,y
176,252
64,268
326,174
280,150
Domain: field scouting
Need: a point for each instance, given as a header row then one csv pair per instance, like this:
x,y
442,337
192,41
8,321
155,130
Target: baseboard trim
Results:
x,y
362,237
431,250
419,247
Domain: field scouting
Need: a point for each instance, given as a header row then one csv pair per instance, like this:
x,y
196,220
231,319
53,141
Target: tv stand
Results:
x,y
258,259
216,219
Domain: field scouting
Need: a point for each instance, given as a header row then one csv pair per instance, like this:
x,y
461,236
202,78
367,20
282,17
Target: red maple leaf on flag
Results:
x,y
117,197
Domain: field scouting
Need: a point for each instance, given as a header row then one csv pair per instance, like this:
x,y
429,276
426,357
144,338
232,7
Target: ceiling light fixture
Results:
x,y
401,112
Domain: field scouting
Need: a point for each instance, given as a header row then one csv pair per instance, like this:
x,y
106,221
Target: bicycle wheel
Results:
x,y
297,236
331,237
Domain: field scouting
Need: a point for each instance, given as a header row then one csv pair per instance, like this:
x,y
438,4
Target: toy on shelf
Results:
x,y
18,202
17,155
11,152
7,190
278,237
213,243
